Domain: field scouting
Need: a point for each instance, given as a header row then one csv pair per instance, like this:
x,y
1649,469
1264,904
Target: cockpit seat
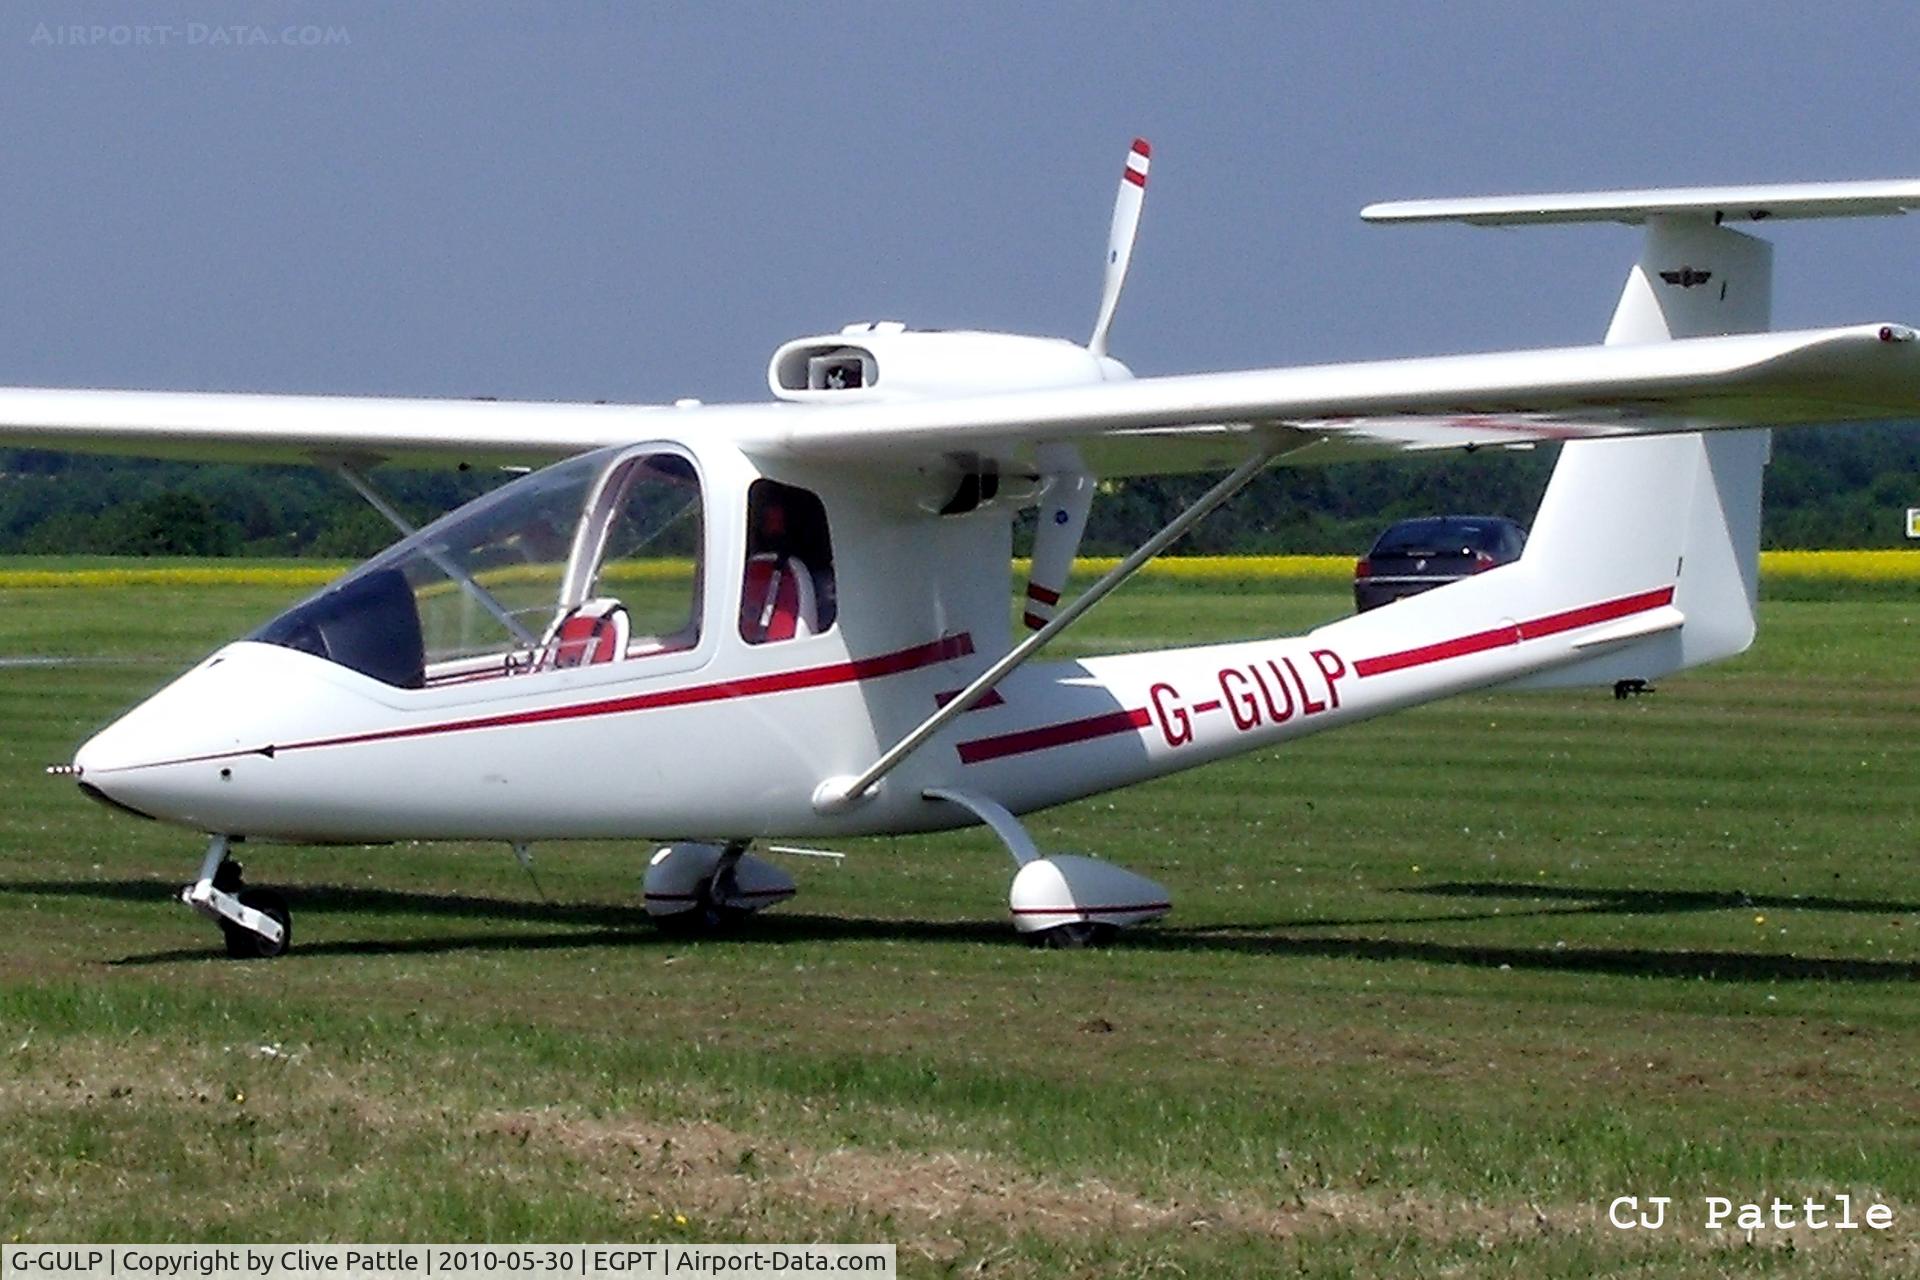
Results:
x,y
593,631
777,601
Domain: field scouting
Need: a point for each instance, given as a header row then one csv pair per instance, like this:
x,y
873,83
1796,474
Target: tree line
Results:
x,y
1835,488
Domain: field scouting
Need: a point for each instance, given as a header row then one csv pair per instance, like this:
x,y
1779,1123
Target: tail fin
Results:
x,y
1682,511
1624,516
1668,525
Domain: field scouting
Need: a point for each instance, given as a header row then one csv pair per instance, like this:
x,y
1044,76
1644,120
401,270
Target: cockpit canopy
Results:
x,y
592,559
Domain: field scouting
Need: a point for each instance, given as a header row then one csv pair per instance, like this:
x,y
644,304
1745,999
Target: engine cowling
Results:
x,y
887,361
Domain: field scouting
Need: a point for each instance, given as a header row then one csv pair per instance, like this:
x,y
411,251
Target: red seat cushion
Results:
x,y
770,607
589,635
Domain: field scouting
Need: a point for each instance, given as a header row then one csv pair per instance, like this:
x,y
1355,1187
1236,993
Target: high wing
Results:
x,y
1873,198
878,396
1191,422
271,428
1336,412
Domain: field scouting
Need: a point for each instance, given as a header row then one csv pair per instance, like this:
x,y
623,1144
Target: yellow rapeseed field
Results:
x,y
1829,566
1842,566
175,576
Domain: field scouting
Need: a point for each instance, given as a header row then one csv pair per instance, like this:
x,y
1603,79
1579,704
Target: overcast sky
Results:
x,y
632,201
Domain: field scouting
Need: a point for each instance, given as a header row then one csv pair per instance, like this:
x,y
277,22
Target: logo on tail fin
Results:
x,y
1686,277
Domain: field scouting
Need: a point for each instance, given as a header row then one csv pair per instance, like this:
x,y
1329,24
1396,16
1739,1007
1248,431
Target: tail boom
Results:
x,y
1643,559
1068,730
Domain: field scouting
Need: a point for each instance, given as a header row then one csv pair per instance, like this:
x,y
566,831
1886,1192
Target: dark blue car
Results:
x,y
1431,551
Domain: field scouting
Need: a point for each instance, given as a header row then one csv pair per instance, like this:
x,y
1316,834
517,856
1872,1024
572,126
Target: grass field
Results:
x,y
1436,989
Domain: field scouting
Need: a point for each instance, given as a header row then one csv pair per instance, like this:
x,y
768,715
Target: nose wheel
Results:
x,y
244,943
255,922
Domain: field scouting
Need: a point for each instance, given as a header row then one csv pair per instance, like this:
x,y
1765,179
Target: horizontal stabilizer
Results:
x,y
1638,627
1722,204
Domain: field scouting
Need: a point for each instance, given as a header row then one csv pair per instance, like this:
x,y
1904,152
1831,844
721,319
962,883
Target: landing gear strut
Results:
x,y
1063,902
713,896
255,922
695,888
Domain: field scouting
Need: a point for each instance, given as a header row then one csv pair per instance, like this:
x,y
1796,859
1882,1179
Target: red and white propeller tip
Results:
x,y
1126,224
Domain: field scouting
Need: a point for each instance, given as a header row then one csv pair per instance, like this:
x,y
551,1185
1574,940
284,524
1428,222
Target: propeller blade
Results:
x,y
1126,222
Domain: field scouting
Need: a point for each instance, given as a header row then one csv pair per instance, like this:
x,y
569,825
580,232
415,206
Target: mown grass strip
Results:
x,y
1436,989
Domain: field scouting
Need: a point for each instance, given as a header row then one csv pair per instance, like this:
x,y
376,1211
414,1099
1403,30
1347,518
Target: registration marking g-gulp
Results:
x,y
1268,691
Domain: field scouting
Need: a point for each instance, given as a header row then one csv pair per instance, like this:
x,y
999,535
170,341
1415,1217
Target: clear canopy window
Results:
x,y
596,559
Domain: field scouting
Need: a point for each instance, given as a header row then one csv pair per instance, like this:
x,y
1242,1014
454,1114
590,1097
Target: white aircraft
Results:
x,y
715,625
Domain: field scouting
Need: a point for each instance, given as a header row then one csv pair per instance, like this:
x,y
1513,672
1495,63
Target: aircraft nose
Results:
x,y
192,716
187,754
109,751
129,765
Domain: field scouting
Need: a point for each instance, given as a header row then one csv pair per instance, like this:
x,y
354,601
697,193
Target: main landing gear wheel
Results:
x,y
709,918
1075,936
697,889
245,944
710,915
1063,902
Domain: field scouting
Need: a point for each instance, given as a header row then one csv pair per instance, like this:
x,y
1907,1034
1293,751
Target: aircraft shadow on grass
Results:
x,y
1570,901
601,925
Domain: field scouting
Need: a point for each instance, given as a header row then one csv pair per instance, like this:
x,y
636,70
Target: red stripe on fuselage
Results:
x,y
1071,731
991,698
1053,735
886,664
1502,637
1478,642
1626,606
925,655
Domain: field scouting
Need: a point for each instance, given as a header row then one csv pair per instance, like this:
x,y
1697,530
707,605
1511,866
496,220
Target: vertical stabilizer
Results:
x,y
1694,280
1631,515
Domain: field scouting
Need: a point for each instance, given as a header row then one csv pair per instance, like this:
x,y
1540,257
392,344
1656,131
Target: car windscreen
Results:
x,y
1445,536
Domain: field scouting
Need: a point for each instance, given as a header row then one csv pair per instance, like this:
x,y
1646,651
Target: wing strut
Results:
x,y
836,795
